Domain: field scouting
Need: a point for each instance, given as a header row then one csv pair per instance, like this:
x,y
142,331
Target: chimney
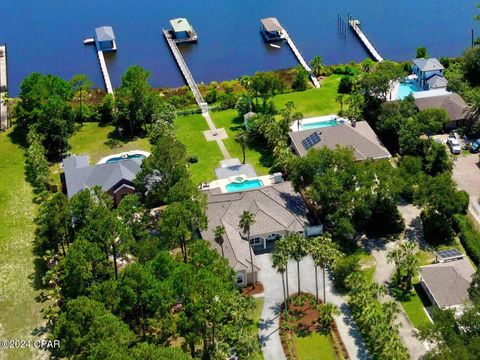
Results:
x,y
354,122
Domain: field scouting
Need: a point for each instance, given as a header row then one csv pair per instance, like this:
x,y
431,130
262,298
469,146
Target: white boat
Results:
x,y
275,46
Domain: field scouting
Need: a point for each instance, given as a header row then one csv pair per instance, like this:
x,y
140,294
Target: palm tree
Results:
x,y
218,233
396,256
405,259
317,65
324,253
326,314
247,219
241,138
298,250
80,84
339,99
279,262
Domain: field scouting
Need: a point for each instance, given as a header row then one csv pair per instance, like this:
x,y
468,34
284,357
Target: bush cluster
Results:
x,y
469,236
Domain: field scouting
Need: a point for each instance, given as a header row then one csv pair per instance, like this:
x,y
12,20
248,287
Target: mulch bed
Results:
x,y
302,319
250,290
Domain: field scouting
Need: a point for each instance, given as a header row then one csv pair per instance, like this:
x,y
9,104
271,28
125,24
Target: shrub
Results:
x,y
192,159
469,236
343,268
345,86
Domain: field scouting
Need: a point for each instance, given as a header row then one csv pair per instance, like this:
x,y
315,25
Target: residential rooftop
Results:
x,y
431,64
360,137
271,24
452,103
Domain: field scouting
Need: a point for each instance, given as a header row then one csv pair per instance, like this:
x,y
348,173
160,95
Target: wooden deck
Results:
x,y
300,58
354,25
185,71
106,76
3,88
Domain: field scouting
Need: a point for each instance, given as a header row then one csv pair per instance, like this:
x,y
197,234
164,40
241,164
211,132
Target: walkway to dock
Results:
x,y
106,76
3,88
354,24
300,58
196,93
185,71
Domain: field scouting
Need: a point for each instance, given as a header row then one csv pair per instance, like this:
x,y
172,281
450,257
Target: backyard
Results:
x,y
20,312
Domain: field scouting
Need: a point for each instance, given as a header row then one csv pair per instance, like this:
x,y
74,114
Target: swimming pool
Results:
x,y
406,88
319,124
244,185
125,157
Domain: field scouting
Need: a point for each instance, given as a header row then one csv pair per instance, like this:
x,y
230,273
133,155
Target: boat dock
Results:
x,y
3,88
355,26
300,58
185,71
104,40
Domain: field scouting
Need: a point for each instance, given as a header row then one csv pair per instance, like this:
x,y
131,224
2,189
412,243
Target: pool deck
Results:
x,y
298,124
267,180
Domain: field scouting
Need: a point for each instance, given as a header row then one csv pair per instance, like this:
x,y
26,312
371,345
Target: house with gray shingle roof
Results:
x,y
429,73
358,136
115,178
446,284
278,210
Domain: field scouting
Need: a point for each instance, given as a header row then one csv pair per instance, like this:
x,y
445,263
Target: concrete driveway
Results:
x,y
466,173
269,321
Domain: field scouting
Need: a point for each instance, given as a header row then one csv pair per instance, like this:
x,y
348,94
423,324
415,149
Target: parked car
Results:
x,y
454,145
475,146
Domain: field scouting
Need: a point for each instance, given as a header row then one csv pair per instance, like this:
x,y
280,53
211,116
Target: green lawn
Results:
x,y
19,311
314,102
255,316
190,132
314,346
414,308
91,139
232,123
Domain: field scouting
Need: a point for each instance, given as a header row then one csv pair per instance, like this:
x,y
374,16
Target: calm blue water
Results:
x,y
319,124
245,185
128,157
406,89
46,36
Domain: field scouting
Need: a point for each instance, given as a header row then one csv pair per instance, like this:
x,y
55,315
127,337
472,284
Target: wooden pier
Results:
x,y
300,58
106,76
3,88
185,71
355,26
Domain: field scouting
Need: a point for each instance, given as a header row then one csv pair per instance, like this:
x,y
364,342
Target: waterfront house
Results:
x,y
115,178
358,136
182,31
271,29
452,103
278,210
105,38
446,283
429,74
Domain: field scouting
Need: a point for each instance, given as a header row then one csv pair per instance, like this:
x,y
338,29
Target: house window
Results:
x,y
272,237
256,241
240,279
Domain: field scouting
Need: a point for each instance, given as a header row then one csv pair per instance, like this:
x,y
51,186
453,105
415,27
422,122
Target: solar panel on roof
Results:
x,y
311,140
449,253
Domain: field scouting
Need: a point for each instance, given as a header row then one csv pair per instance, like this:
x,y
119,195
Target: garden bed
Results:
x,y
302,338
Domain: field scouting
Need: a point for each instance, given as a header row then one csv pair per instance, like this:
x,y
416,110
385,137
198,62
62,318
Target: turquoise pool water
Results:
x,y
128,157
320,124
244,185
406,89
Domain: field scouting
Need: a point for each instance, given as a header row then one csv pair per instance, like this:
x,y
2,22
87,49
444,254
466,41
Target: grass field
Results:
x,y
19,311
255,316
314,346
314,102
414,308
91,139
190,132
232,123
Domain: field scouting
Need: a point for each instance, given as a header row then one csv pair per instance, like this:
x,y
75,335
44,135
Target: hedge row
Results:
x,y
469,236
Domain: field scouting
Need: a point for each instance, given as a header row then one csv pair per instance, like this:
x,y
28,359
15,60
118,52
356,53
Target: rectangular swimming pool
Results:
x,y
319,124
244,185
406,88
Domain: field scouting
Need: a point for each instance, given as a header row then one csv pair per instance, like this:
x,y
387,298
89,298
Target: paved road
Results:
x,y
269,321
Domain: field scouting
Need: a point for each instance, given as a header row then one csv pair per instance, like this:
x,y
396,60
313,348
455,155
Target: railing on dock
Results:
x,y
3,88
185,71
355,25
300,58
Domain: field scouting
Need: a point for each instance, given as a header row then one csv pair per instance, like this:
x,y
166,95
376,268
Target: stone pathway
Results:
x,y
215,134
269,321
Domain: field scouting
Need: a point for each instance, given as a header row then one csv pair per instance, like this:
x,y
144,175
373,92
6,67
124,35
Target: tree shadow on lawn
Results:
x,y
115,138
17,138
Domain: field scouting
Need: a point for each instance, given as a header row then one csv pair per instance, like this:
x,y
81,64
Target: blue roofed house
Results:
x,y
105,38
429,74
115,178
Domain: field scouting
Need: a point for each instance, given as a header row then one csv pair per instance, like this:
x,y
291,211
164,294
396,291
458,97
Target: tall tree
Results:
x,y
324,253
298,250
80,85
247,219
317,65
241,138
280,262
219,232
